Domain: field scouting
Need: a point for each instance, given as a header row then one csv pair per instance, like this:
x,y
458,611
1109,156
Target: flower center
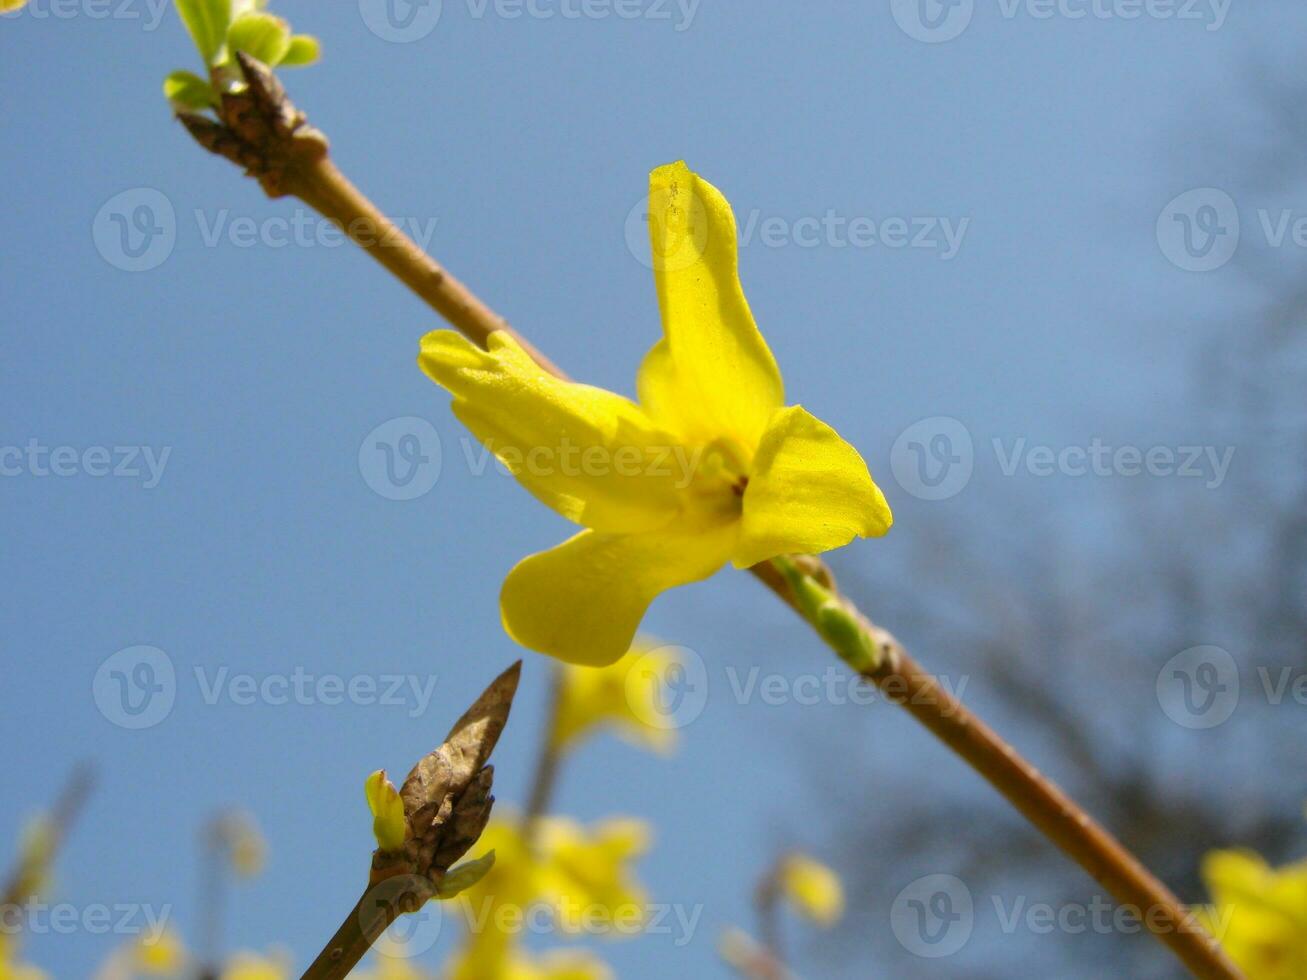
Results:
x,y
720,478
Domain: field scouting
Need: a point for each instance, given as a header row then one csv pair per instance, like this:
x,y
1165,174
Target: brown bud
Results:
x,y
446,796
258,127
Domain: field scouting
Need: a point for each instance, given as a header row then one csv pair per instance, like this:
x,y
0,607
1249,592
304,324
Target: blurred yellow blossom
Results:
x,y
160,956
7,5
35,855
10,968
251,966
584,872
710,468
505,962
623,696
236,834
1258,913
811,888
581,874
390,964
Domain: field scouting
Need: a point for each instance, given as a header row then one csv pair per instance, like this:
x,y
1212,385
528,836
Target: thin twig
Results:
x,y
549,759
317,181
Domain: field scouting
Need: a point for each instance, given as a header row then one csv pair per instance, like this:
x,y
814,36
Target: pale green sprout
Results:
x,y
220,28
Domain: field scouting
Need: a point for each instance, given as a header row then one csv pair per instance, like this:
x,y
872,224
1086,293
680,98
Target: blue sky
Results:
x,y
1029,158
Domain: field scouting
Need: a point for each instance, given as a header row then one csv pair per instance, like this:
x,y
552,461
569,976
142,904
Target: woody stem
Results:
x,y
549,759
322,186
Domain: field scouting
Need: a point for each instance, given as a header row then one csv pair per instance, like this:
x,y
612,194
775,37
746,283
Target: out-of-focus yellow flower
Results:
x,y
159,956
389,825
585,872
235,837
35,855
390,966
623,696
10,968
582,873
251,966
505,962
249,851
710,467
1258,913
811,888
7,5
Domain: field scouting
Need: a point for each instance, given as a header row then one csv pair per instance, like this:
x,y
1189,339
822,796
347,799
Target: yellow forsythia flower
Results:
x,y
710,467
1258,913
584,872
250,966
622,696
247,850
160,956
813,889
508,963
10,968
389,825
390,967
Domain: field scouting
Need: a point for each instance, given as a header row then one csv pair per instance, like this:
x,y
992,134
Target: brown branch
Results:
x,y
550,758
319,184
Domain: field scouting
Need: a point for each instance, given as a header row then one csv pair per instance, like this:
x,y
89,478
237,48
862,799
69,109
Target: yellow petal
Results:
x,y
589,869
583,600
809,491
160,955
389,824
712,375
249,966
591,698
813,889
1234,875
592,455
